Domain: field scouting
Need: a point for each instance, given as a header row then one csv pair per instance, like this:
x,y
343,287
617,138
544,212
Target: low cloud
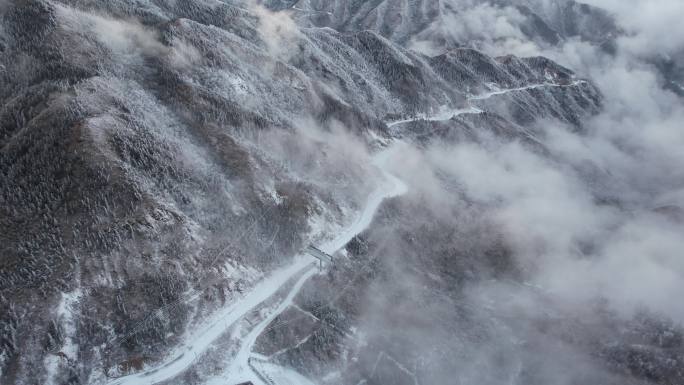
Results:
x,y
652,26
277,29
129,38
593,226
492,29
553,211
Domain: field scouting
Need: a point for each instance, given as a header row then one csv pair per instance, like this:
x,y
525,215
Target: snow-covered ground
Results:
x,y
69,349
279,375
240,369
201,339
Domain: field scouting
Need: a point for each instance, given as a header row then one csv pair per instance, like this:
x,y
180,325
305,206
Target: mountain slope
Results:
x,y
159,159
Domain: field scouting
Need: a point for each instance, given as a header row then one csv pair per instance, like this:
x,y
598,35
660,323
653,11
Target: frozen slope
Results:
x,y
198,342
240,371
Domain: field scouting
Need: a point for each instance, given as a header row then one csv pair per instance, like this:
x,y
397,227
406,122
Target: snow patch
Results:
x,y
240,370
64,314
275,374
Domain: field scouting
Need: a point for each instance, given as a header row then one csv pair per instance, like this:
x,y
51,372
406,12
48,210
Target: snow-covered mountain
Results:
x,y
164,165
437,26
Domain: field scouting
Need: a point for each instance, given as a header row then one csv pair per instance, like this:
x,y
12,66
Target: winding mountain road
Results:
x,y
199,341
443,114
240,370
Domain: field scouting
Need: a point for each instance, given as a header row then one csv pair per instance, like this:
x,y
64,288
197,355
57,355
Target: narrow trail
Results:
x,y
496,92
443,115
202,338
440,116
